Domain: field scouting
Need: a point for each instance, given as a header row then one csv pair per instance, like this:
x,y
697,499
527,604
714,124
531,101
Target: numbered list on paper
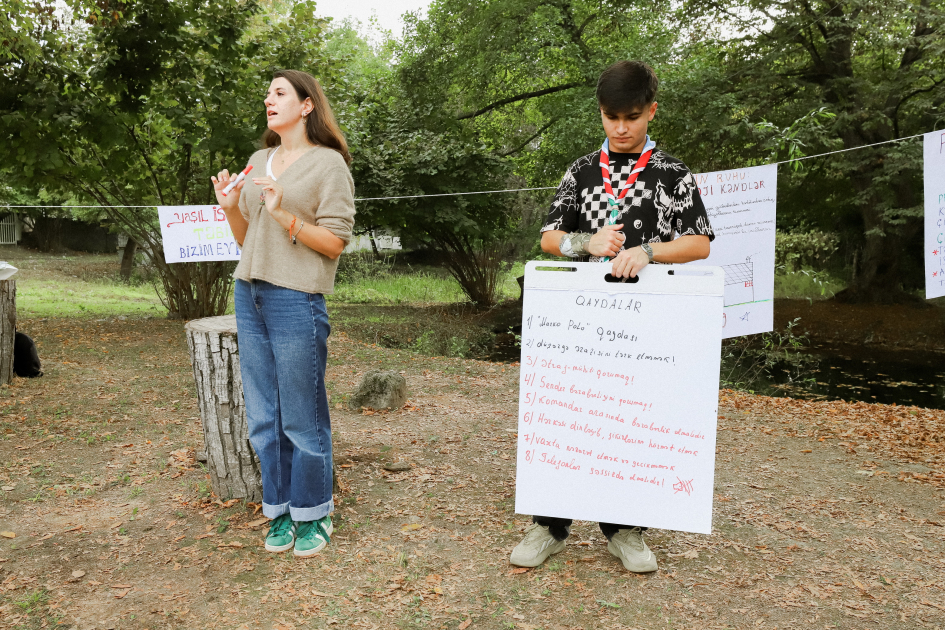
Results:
x,y
618,407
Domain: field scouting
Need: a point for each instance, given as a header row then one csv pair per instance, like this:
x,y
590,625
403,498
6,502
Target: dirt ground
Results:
x,y
827,515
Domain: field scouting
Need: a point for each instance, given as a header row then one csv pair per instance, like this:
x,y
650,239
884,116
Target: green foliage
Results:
x,y
794,250
746,361
806,284
139,107
868,75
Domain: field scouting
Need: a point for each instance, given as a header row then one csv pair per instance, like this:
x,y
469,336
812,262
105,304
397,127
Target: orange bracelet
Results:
x,y
291,228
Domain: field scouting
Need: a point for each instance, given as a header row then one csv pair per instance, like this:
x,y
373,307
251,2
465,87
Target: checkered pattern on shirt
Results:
x,y
596,208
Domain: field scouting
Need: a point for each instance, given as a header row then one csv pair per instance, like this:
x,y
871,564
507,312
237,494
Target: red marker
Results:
x,y
238,179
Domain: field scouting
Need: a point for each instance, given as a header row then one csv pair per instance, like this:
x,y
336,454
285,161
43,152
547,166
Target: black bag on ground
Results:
x,y
25,357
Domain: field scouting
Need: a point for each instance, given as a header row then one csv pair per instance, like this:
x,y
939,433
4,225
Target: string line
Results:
x,y
512,190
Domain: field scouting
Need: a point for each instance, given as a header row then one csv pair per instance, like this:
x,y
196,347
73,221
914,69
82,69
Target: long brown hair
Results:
x,y
320,126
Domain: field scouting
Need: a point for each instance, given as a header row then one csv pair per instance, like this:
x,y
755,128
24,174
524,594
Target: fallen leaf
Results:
x,y
519,570
257,522
464,625
410,526
235,544
8,534
121,594
7,488
320,594
78,573
120,586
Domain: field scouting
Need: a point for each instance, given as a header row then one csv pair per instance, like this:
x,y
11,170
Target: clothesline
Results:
x,y
507,190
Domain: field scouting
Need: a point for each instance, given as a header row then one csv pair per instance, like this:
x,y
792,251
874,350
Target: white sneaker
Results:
x,y
535,548
628,545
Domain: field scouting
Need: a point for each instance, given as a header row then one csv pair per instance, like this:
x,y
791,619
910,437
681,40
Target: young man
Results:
x,y
607,208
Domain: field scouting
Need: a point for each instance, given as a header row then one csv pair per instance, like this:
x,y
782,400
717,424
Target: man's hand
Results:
x,y
607,241
629,262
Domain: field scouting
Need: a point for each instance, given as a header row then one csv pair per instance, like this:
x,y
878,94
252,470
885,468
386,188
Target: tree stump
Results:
x,y
7,329
234,467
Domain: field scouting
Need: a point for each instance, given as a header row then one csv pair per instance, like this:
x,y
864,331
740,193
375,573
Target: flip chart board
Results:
x,y
741,205
196,233
618,397
934,153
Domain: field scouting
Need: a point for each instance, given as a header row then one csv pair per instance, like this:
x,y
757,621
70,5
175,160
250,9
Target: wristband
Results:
x,y
574,245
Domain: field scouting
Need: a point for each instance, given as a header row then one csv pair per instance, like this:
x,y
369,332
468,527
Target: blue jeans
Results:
x,y
282,336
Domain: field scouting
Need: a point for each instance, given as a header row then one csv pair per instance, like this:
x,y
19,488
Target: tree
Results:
x,y
522,72
137,103
880,70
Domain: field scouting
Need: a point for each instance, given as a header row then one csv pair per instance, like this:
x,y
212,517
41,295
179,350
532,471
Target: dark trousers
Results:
x,y
561,527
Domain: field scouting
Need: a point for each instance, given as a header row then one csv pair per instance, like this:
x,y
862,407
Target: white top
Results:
x,y
269,163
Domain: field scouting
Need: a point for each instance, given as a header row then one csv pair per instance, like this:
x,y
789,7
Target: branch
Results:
x,y
144,155
535,135
913,51
522,97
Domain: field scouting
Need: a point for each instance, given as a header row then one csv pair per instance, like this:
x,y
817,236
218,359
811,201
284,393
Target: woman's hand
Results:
x,y
232,199
272,191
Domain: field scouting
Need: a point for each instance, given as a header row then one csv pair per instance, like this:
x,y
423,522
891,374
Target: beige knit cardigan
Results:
x,y
318,189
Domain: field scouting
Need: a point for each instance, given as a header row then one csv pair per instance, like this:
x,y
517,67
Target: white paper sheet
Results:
x,y
741,205
196,233
934,153
618,398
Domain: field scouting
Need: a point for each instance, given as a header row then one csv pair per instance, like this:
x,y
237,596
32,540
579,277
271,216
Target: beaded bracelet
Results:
x,y
301,225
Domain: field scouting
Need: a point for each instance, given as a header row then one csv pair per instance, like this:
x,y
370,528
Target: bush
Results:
x,y
747,362
805,284
359,266
796,250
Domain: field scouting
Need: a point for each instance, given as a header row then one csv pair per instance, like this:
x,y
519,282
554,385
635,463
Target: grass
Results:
x,y
87,285
77,285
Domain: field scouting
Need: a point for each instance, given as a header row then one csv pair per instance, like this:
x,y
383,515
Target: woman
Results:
x,y
293,219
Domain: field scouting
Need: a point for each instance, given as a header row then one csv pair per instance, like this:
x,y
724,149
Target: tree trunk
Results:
x,y
7,328
128,259
877,274
234,467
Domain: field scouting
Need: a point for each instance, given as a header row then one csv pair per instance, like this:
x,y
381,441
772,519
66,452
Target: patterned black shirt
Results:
x,y
662,204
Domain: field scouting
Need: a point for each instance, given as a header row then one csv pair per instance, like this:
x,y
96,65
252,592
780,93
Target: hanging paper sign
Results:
x,y
196,233
741,205
934,153
618,398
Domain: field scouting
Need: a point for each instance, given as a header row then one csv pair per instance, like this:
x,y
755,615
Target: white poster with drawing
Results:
x,y
618,399
934,153
741,205
196,233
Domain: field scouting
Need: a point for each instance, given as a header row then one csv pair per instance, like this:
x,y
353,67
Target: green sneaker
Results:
x,y
313,537
281,535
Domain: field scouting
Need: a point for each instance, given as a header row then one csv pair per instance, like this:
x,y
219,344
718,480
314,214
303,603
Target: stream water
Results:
x,y
904,377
